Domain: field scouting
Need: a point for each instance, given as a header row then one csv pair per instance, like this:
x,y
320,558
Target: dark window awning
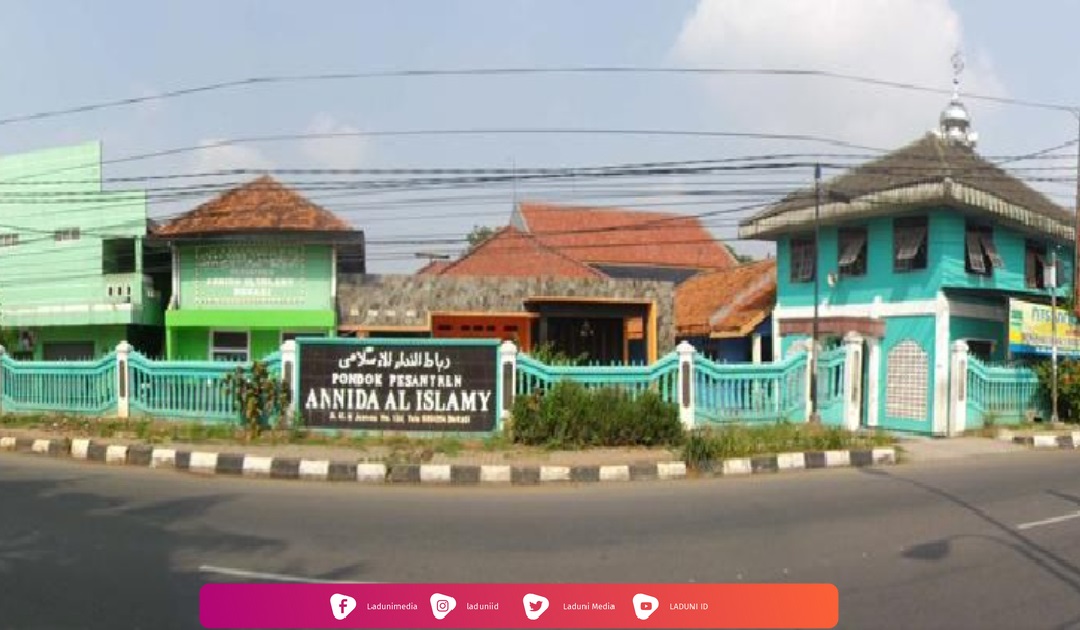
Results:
x,y
975,252
991,251
908,242
851,249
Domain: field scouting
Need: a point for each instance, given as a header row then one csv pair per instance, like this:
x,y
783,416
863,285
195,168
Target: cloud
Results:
x,y
909,41
220,157
330,152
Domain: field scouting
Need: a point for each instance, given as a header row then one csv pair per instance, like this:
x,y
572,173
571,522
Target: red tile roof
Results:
x,y
619,236
727,303
262,204
509,252
433,268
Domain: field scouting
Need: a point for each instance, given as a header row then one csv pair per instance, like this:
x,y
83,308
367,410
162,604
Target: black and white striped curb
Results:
x,y
1069,440
241,465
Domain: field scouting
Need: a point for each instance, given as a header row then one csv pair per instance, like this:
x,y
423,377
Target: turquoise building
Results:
x,y
919,248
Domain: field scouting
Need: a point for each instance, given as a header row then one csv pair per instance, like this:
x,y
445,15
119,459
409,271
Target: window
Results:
x,y
9,240
979,252
118,255
350,259
228,346
909,244
67,350
852,248
981,349
66,234
803,259
1034,265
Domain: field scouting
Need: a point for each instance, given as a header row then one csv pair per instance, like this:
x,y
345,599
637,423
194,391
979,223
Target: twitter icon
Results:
x,y
535,605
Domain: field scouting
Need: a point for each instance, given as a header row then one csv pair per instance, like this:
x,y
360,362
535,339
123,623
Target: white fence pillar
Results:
x,y
2,383
810,365
958,370
755,348
123,385
873,381
853,380
684,384
289,375
508,371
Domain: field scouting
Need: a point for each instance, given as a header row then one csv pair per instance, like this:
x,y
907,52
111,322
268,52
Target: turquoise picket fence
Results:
x,y
59,386
532,376
830,369
748,393
181,389
1004,394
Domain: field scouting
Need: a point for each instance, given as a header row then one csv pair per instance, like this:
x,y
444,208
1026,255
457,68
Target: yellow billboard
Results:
x,y
1030,330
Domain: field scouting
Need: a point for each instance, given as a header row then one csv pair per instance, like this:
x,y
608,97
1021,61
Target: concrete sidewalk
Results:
x,y
924,449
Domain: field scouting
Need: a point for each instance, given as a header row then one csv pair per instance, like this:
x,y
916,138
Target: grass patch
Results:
x,y
716,443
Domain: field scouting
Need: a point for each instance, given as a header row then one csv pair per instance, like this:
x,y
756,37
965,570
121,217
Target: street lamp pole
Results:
x,y
814,415
1053,336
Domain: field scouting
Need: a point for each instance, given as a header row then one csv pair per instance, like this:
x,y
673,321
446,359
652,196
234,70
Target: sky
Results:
x,y
55,55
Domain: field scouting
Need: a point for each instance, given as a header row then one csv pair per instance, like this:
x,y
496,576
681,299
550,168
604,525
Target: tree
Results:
x,y
479,234
739,258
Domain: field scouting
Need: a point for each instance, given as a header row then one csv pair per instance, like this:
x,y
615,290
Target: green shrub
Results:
x,y
571,416
710,444
1068,386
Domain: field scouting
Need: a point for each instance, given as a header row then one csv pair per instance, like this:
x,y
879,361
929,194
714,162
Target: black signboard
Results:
x,y
387,386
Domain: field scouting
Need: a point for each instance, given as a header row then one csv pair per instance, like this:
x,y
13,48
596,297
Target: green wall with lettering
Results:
x,y
247,276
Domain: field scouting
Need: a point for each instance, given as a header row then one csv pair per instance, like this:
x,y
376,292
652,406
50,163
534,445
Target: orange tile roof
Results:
x,y
433,268
510,252
262,204
619,236
726,303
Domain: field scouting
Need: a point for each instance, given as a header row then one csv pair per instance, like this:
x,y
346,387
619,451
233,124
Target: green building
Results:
x,y
918,249
76,274
252,268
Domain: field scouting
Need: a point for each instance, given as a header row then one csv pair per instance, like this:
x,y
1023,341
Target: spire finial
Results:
x,y
958,68
955,122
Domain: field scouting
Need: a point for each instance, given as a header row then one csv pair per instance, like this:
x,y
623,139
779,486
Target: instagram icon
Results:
x,y
441,605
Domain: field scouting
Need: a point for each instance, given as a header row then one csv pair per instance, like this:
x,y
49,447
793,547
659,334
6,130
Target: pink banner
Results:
x,y
519,606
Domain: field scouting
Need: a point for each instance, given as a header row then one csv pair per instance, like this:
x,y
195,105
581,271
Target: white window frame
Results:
x,y
215,349
66,235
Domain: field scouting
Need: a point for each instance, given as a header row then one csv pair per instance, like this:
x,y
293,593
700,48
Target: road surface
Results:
x,y
976,543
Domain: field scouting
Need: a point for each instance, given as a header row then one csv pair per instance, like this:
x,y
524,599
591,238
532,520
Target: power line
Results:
x,y
568,70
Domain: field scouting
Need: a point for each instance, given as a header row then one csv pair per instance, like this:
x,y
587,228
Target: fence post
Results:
x,y
288,373
810,363
958,371
3,384
123,356
508,371
853,377
684,383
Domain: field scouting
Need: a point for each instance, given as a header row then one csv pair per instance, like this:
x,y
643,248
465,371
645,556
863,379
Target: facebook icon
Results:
x,y
341,605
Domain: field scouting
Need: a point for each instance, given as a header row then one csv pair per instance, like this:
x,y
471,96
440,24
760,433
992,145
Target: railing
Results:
x,y
1004,395
830,401
59,386
182,389
766,392
532,376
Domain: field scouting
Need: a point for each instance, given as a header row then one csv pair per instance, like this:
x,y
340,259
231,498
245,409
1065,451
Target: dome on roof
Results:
x,y
955,124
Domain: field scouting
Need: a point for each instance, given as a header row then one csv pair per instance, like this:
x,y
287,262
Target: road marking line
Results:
x,y
1049,521
275,577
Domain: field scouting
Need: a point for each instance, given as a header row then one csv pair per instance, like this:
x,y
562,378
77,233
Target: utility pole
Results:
x,y
1053,335
814,415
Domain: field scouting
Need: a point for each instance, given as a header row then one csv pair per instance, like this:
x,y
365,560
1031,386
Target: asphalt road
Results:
x,y
955,545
